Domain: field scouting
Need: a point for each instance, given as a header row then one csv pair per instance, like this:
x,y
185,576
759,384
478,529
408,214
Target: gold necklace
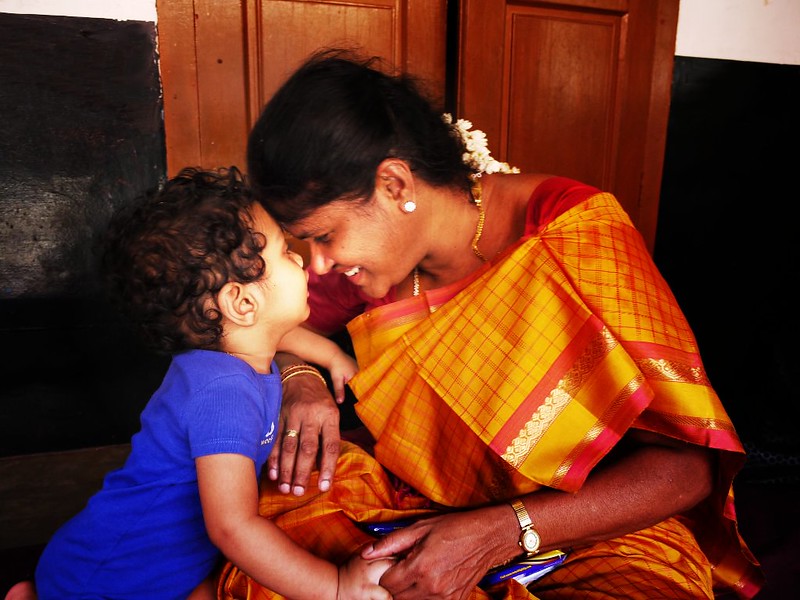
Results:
x,y
476,193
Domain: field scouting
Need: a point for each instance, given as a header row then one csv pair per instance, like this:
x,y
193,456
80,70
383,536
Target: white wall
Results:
x,y
747,30
121,10
765,31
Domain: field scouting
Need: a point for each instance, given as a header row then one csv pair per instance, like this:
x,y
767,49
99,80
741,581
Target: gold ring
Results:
x,y
291,433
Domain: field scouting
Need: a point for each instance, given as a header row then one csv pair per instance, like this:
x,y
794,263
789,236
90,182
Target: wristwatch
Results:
x,y
529,539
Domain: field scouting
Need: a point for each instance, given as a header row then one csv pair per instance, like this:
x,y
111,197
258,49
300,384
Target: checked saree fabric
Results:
x,y
524,375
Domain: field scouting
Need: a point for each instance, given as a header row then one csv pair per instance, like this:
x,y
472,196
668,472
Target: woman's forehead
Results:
x,y
332,216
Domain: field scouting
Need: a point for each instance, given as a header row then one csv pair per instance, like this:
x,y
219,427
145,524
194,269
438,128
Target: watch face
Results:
x,y
530,541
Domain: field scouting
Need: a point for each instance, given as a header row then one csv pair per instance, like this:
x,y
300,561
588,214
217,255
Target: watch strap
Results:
x,y
529,539
522,514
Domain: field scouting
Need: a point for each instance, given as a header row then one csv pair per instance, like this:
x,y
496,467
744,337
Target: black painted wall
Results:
x,y
727,241
81,133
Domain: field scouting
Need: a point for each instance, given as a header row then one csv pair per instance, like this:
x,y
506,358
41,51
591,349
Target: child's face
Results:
x,y
286,283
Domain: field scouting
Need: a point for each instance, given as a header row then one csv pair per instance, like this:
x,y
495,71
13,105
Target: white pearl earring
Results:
x,y
409,206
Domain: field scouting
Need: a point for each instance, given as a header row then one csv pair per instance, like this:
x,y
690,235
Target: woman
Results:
x,y
526,374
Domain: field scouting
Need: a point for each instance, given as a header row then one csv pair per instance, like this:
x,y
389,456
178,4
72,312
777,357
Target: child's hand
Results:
x,y
342,368
358,579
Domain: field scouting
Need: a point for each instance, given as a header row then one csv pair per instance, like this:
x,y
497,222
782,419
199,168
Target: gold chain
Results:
x,y
477,191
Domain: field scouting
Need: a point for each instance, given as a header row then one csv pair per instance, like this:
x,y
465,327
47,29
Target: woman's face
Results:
x,y
367,241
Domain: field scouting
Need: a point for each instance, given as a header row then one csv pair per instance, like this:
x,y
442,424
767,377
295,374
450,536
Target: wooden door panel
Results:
x,y
577,88
222,83
549,100
293,29
205,80
221,60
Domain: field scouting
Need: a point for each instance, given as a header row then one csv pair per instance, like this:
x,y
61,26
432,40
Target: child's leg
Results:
x,y
24,590
207,590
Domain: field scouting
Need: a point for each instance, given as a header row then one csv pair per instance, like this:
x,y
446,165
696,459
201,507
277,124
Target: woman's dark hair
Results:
x,y
167,255
325,131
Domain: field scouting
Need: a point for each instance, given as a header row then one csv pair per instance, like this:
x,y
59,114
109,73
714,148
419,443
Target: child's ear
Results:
x,y
237,304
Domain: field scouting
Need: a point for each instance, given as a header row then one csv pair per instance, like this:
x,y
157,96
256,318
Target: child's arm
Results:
x,y
229,496
319,350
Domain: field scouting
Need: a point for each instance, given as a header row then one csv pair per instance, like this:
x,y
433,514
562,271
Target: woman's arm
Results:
x,y
654,479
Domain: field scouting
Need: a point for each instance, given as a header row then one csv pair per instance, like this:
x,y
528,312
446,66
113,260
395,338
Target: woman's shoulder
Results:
x,y
524,188
552,196
536,199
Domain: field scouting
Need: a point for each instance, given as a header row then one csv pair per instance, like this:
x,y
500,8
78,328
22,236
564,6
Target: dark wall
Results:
x,y
727,240
81,133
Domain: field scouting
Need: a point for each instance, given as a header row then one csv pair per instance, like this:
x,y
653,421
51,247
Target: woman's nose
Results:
x,y
318,262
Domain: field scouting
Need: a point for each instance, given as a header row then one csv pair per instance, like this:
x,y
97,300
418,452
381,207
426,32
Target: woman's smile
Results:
x,y
354,274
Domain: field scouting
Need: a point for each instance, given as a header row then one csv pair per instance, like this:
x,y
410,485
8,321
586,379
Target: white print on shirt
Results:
x,y
268,437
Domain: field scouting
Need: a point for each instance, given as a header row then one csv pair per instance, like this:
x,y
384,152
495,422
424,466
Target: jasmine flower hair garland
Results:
x,y
478,157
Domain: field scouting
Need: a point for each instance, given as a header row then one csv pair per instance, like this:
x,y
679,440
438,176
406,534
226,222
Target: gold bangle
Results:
x,y
290,372
298,367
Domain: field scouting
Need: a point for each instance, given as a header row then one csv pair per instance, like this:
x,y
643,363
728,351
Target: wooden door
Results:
x,y
579,88
221,60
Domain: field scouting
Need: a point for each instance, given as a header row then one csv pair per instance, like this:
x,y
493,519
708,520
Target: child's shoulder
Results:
x,y
204,366
206,357
207,365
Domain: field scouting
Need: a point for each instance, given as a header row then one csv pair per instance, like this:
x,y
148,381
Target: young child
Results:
x,y
206,274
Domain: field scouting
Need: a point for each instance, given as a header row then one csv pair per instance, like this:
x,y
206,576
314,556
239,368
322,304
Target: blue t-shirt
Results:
x,y
142,535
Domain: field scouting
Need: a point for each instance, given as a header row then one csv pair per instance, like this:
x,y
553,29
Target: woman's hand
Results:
x,y
308,409
444,557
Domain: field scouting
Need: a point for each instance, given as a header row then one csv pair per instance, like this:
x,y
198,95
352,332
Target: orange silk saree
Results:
x,y
524,375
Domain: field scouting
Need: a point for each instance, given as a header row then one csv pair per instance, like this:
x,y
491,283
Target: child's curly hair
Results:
x,y
167,255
